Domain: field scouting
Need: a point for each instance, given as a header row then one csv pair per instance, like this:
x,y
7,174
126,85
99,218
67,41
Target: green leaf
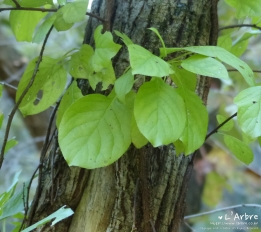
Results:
x,y
226,127
224,56
106,76
72,94
60,24
145,63
1,90
188,79
50,81
1,119
195,131
80,62
95,131
58,215
239,149
246,8
123,85
206,66
5,197
75,11
14,205
10,144
249,111
23,24
159,112
29,3
43,29
179,147
161,40
225,42
137,137
124,38
62,2
105,49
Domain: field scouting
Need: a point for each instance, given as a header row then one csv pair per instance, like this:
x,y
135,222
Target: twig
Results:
x,y
8,85
186,224
235,70
152,226
11,116
135,205
26,203
240,25
222,124
48,10
43,152
16,3
222,209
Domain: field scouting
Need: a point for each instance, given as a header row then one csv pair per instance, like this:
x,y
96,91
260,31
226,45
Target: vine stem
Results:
x,y
222,124
222,209
239,26
235,70
47,10
16,3
11,115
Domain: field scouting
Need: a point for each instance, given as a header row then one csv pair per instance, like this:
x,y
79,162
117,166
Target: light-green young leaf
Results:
x,y
105,49
10,144
72,94
29,3
23,24
106,76
95,131
245,8
159,112
223,55
43,29
145,63
226,127
1,119
60,24
58,215
50,81
80,66
239,149
124,38
249,111
196,116
206,66
75,11
123,85
137,137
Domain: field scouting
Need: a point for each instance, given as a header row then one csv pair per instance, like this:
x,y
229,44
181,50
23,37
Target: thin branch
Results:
x,y
26,203
8,85
239,26
16,3
235,70
152,226
43,152
222,124
222,209
11,116
47,10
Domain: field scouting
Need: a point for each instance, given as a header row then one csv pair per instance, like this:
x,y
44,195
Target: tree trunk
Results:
x,y
145,189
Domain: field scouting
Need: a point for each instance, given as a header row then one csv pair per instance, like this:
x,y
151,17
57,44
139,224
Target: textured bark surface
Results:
x,y
146,188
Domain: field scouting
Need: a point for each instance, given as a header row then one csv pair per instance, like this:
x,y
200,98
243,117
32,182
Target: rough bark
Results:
x,y
153,180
